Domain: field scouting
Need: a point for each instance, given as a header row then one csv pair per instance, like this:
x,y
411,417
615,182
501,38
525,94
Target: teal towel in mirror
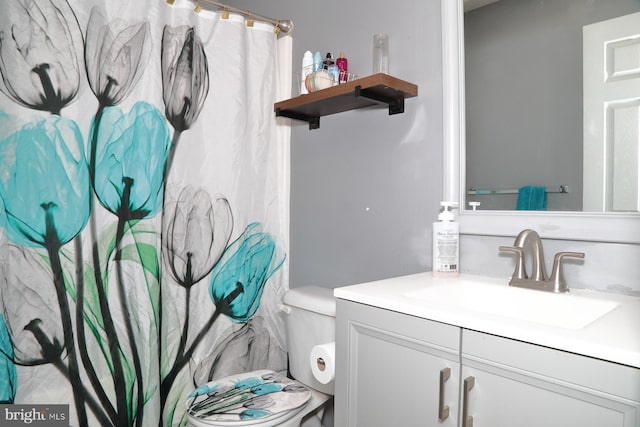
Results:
x,y
532,198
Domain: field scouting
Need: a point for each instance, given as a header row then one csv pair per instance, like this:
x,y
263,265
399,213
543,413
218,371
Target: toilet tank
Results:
x,y
310,320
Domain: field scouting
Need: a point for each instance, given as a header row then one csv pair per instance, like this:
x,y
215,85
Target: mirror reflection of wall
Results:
x,y
523,88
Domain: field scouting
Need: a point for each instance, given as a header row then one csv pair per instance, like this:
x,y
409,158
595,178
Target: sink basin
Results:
x,y
567,310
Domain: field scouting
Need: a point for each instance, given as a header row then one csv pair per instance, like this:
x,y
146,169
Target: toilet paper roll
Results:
x,y
322,360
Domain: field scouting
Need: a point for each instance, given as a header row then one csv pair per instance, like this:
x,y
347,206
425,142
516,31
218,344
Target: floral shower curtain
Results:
x,y
143,205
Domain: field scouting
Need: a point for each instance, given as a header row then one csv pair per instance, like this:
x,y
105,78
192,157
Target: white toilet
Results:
x,y
264,398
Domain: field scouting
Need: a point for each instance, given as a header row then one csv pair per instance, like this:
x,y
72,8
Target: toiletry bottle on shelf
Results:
x,y
446,243
328,61
380,53
317,62
307,68
334,73
343,67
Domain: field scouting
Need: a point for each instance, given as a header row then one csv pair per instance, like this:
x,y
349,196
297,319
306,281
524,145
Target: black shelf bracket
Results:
x,y
314,121
396,105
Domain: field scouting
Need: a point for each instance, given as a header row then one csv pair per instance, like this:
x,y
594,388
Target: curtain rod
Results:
x,y
285,26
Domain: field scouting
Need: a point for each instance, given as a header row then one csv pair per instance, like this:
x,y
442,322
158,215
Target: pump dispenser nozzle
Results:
x,y
446,214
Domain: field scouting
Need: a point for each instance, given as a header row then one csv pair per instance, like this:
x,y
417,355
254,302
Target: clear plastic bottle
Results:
x,y
307,68
334,73
446,243
317,62
380,53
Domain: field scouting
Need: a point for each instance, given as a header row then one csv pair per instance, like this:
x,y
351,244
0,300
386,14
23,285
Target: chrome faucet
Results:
x,y
529,240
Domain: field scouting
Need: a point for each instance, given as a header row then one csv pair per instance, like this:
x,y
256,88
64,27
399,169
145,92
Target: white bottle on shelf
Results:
x,y
446,243
307,68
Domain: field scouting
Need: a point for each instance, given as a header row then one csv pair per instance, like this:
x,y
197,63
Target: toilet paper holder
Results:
x,y
321,364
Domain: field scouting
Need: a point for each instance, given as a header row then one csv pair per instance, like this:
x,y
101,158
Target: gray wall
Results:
x,y
366,186
523,84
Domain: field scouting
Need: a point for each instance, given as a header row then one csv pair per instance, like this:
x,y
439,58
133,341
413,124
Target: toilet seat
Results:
x,y
253,398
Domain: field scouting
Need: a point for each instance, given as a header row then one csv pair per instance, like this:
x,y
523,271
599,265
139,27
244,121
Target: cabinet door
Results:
x,y
392,368
499,400
519,384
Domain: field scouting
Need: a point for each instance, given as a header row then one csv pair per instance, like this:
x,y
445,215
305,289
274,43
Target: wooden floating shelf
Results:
x,y
377,89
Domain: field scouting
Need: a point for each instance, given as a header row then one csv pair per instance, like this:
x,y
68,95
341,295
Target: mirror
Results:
x,y
619,227
524,94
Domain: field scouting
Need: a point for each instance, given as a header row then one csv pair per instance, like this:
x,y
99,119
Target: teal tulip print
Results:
x,y
239,278
236,287
126,163
44,183
250,398
83,299
130,159
40,54
46,194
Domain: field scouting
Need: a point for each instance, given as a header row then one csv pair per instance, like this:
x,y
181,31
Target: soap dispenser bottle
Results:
x,y
446,243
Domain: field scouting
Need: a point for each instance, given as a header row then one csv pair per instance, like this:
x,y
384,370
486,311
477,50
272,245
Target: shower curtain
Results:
x,y
143,205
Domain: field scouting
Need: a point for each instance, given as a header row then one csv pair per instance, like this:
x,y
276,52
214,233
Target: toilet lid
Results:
x,y
248,398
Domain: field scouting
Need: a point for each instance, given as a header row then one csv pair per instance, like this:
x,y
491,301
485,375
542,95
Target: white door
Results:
x,y
611,63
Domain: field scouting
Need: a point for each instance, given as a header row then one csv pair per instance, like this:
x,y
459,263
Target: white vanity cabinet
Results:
x,y
388,374
388,369
527,385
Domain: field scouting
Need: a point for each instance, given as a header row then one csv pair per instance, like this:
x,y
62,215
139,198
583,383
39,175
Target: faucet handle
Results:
x,y
520,272
557,275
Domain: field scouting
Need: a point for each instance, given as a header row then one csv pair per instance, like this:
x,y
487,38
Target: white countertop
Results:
x,y
615,336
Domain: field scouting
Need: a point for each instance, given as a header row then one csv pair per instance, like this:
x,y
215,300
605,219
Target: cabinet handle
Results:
x,y
443,410
467,420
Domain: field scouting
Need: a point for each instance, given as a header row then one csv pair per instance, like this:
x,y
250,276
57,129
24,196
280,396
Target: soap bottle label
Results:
x,y
447,251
